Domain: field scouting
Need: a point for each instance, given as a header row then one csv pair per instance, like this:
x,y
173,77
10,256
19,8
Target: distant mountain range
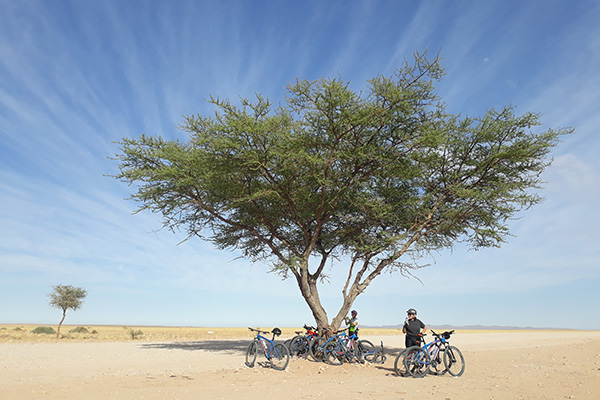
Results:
x,y
471,327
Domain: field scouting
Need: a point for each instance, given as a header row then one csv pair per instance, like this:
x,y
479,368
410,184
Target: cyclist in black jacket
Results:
x,y
413,328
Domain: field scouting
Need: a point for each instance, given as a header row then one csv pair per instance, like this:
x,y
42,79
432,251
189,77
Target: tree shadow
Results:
x,y
391,353
226,346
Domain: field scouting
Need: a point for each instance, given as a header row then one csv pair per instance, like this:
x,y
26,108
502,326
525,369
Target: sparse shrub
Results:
x,y
135,334
94,332
79,329
44,330
18,329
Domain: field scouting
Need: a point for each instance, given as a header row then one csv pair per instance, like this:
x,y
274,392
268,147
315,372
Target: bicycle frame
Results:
x,y
346,341
434,347
261,339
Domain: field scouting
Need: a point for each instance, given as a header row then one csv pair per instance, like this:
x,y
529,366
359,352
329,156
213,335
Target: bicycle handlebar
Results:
x,y
445,334
258,330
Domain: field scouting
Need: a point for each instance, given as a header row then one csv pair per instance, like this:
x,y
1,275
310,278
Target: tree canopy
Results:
x,y
66,297
380,177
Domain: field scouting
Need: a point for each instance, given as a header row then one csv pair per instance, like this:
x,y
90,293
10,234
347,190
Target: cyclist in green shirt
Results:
x,y
353,322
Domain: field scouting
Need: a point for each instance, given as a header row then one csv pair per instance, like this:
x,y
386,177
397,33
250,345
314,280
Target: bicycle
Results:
x,y
276,354
343,347
300,344
418,361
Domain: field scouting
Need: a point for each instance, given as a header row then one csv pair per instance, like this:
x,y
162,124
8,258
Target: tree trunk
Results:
x,y
309,290
311,296
310,293
60,323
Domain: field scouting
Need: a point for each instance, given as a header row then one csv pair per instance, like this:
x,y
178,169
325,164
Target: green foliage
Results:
x,y
79,329
382,176
67,297
44,330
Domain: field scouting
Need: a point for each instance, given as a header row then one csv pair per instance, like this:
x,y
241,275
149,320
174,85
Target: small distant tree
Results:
x,y
66,297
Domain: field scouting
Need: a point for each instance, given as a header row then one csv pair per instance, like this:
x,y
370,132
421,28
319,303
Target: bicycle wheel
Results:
x,y
299,347
334,353
399,367
416,362
251,354
279,356
316,349
366,351
454,361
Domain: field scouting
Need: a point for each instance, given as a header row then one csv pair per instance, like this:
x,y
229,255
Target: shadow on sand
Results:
x,y
235,347
229,346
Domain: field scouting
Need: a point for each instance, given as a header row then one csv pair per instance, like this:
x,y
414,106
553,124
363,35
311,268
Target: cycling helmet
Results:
x,y
411,311
354,312
276,331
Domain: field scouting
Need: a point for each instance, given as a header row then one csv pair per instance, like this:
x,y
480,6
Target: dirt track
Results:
x,y
515,365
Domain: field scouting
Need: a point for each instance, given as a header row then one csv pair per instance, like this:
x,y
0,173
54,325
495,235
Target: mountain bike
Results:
x,y
276,354
300,344
343,347
418,361
317,347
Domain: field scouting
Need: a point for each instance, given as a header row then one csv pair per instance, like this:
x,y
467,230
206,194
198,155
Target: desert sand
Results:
x,y
499,365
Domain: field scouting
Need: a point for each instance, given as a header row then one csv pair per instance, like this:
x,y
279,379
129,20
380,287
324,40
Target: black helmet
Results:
x,y
354,312
411,311
276,331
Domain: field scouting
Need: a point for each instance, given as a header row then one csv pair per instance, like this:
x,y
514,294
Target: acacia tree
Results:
x,y
379,178
66,297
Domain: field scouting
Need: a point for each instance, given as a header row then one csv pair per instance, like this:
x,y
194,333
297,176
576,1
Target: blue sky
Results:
x,y
75,76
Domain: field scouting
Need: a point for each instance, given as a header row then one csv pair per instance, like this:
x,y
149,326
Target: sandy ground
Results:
x,y
499,365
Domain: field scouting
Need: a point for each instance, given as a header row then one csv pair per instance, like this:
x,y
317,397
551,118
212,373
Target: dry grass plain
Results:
x,y
199,363
22,333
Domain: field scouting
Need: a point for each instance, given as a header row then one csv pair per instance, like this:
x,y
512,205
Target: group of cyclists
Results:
x,y
413,327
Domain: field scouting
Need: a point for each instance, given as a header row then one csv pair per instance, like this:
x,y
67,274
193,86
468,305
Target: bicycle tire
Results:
x,y
399,367
454,361
251,354
416,362
279,356
353,353
299,347
437,366
334,353
316,349
366,351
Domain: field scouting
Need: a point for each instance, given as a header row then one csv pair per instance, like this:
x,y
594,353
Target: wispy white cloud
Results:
x,y
76,78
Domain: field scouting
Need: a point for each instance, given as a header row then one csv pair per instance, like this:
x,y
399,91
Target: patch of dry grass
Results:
x,y
15,333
